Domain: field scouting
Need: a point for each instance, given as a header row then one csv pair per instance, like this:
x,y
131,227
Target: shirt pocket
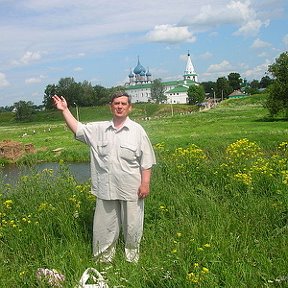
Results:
x,y
103,148
128,152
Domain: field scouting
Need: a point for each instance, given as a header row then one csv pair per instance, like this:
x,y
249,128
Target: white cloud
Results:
x,y
3,81
78,69
220,67
30,57
263,55
258,43
249,28
170,33
206,55
27,58
225,68
250,24
238,13
206,17
215,71
256,72
34,80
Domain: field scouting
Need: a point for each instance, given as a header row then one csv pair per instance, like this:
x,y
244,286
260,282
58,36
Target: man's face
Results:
x,y
120,107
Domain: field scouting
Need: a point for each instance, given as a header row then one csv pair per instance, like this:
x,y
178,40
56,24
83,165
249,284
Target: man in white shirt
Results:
x,y
121,161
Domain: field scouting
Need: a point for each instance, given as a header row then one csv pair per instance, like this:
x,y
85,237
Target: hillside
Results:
x,y
139,111
211,130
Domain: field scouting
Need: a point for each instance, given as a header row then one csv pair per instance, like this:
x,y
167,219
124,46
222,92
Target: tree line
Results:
x,y
84,94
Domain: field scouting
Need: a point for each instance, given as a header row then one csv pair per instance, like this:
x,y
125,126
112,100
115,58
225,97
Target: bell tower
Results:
x,y
189,73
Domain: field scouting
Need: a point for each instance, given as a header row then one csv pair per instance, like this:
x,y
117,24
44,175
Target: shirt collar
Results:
x,y
127,124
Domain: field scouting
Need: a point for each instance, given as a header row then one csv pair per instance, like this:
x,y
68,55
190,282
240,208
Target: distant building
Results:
x,y
140,81
236,94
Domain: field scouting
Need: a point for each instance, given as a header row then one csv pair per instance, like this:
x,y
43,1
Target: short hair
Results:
x,y
120,94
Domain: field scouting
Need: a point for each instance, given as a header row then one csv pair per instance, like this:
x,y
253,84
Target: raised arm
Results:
x,y
61,104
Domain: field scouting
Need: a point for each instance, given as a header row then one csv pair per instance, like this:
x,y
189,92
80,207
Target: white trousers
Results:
x,y
109,217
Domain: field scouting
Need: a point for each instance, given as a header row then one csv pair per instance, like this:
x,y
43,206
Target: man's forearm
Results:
x,y
70,120
145,176
61,104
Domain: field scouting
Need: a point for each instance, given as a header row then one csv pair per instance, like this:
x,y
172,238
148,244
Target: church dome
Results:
x,y
148,74
139,68
131,75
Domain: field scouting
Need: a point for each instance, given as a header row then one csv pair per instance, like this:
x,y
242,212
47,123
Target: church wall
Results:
x,y
140,95
177,98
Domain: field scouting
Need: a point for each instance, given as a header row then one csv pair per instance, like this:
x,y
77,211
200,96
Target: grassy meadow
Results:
x,y
216,216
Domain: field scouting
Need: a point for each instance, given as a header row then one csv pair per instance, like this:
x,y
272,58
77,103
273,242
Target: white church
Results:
x,y
140,81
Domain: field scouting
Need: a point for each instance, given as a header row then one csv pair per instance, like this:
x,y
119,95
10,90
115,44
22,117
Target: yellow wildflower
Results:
x,y
205,270
207,245
8,204
244,178
192,277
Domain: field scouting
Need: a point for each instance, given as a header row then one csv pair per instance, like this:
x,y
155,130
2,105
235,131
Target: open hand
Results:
x,y
59,102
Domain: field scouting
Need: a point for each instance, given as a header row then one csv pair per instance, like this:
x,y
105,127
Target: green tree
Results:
x,y
86,94
252,87
101,95
48,93
265,81
196,94
235,80
222,87
209,86
24,110
66,87
255,84
157,91
82,94
72,91
277,100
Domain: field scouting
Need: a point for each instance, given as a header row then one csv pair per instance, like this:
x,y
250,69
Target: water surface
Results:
x,y
12,172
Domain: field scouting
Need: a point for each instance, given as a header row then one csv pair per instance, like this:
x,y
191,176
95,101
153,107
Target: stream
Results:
x,y
12,172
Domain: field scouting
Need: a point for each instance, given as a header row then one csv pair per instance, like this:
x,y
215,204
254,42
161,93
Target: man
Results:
x,y
121,161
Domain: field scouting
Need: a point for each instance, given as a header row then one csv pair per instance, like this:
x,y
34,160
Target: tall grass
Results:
x,y
216,216
209,223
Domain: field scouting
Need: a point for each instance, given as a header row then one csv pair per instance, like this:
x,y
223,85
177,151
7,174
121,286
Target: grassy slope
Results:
x,y
211,130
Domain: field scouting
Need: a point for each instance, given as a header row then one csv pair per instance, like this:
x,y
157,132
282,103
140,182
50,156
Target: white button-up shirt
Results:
x,y
117,157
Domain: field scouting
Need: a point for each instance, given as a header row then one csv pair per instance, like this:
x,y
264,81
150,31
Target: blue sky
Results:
x,y
99,41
